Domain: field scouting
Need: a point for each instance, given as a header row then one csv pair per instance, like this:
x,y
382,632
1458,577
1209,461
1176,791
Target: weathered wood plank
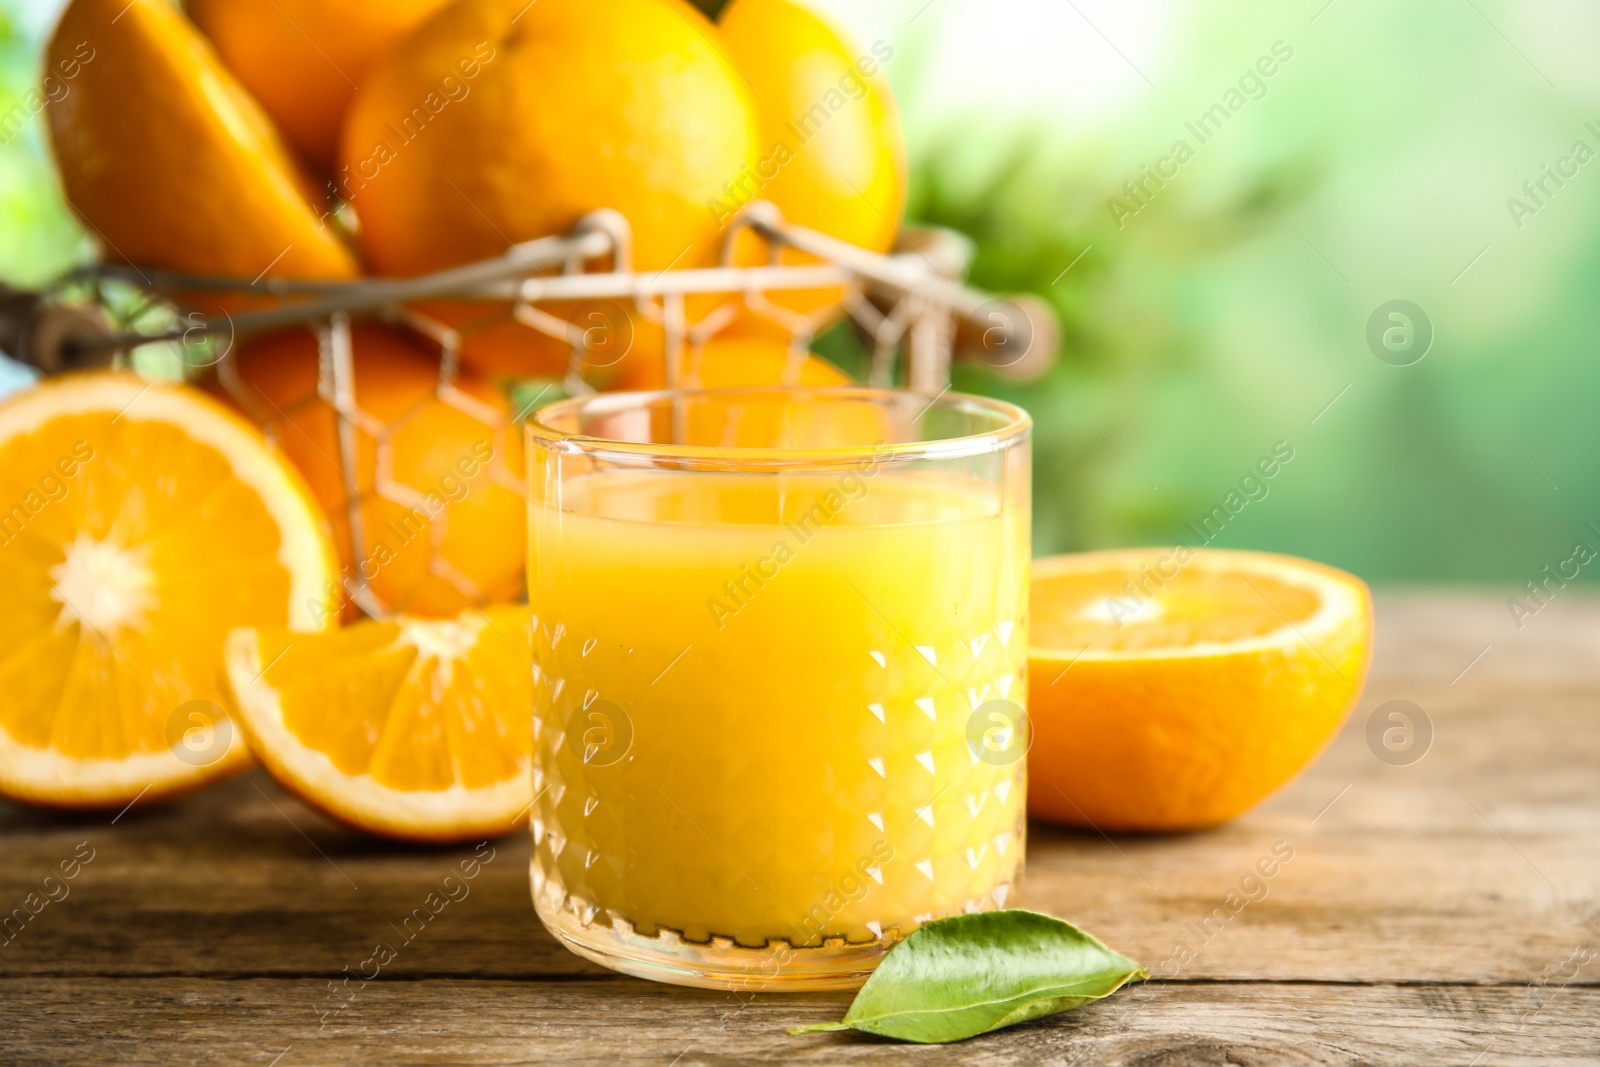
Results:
x,y
209,930
612,1021
1477,863
1402,882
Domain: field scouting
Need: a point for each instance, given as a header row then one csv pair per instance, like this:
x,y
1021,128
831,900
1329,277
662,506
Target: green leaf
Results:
x,y
966,975
528,395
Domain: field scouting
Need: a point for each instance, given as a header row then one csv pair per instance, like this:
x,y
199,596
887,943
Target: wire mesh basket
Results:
x,y
908,308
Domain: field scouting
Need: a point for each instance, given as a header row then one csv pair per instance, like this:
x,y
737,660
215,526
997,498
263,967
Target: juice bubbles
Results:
x,y
766,709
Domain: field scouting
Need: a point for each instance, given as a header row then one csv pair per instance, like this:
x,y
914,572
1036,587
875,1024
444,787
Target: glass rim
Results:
x,y
1016,425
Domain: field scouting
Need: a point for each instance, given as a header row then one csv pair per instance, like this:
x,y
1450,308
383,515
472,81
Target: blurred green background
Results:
x,y
1228,309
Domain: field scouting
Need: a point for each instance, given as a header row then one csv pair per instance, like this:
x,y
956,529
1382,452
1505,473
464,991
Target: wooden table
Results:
x,y
1442,912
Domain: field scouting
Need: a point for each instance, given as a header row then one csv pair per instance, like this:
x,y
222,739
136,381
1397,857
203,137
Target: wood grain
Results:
x,y
607,1021
1427,910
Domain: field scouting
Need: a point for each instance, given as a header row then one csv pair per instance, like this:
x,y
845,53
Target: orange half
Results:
x,y
1175,688
139,522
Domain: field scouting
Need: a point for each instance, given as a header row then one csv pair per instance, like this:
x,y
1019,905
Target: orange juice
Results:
x,y
756,699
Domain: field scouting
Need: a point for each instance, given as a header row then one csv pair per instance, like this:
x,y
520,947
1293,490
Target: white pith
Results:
x,y
103,585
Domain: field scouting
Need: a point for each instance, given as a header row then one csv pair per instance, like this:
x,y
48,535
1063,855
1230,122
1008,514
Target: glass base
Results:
x,y
720,963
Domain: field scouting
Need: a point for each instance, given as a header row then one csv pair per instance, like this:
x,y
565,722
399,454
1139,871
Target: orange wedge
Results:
x,y
169,160
1173,689
415,728
139,522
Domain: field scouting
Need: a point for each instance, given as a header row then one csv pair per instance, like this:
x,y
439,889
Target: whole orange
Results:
x,y
563,107
302,59
734,361
494,342
831,154
436,482
1173,689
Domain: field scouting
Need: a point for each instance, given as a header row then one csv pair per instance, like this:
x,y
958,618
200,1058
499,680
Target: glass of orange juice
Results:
x,y
780,647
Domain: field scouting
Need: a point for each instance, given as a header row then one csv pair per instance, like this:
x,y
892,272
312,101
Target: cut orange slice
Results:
x,y
170,161
139,522
1175,688
414,728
